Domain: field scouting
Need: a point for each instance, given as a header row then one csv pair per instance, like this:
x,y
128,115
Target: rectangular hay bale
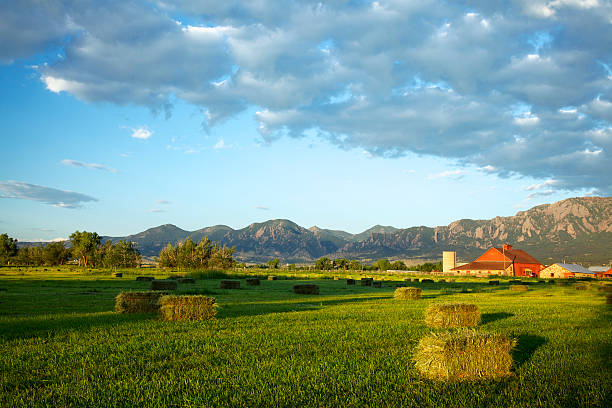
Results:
x,y
427,281
161,284
452,315
519,288
194,307
493,282
464,355
306,289
138,302
253,282
145,278
229,284
366,281
582,286
272,277
408,293
350,281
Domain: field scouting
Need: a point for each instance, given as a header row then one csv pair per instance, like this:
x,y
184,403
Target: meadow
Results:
x,y
62,344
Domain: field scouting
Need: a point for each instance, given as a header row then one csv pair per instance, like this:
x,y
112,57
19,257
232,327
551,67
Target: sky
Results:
x,y
118,116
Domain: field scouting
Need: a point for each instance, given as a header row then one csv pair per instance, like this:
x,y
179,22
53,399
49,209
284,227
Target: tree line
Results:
x,y
327,264
189,255
84,247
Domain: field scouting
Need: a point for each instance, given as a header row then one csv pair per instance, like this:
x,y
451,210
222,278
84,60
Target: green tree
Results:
x,y
168,256
274,263
55,253
324,264
382,264
398,266
32,256
8,249
84,246
354,265
122,254
340,263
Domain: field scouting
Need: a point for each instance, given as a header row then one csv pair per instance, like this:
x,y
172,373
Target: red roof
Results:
x,y
519,256
484,266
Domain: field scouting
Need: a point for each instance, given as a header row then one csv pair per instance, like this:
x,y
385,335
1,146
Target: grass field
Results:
x,y
62,345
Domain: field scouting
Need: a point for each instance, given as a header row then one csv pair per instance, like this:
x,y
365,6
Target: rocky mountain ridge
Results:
x,y
575,229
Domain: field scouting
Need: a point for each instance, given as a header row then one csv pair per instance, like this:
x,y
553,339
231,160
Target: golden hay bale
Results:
x,y
452,315
145,278
377,284
366,281
195,307
408,293
582,286
519,288
427,281
605,288
493,282
138,302
253,282
163,284
272,277
306,289
116,274
186,280
350,281
464,355
229,284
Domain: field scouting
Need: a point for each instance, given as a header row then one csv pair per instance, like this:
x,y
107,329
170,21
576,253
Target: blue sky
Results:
x,y
119,117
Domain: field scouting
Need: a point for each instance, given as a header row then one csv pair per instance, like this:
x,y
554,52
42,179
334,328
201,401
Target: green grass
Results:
x,y
61,344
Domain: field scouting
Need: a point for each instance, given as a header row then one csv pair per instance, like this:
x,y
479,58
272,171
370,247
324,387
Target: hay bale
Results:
x,y
582,286
427,281
605,288
186,280
350,282
229,284
336,278
609,299
519,288
408,293
253,282
138,302
452,315
160,284
116,274
306,289
272,277
366,281
415,280
195,307
377,284
464,355
145,278
493,282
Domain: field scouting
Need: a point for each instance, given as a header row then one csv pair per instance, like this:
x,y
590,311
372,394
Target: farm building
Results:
x,y
565,271
501,261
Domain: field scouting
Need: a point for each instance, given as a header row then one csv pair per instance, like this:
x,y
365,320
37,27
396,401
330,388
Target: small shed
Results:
x,y
565,271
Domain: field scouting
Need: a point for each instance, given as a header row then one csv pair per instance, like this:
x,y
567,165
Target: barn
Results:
x,y
501,261
565,271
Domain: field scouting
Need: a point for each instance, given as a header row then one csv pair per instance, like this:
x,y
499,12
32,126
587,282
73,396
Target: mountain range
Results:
x,y
575,229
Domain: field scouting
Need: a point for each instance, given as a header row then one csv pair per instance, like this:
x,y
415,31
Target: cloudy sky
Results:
x,y
118,115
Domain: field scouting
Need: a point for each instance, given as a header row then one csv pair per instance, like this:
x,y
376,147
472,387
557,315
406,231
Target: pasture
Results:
x,y
62,344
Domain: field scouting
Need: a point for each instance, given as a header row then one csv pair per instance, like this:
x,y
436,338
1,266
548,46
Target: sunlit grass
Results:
x,y
61,344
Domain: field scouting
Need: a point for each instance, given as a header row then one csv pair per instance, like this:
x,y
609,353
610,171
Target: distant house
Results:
x,y
566,271
501,261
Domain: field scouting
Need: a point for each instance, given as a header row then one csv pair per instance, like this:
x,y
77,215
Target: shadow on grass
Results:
x,y
492,317
526,345
53,325
306,303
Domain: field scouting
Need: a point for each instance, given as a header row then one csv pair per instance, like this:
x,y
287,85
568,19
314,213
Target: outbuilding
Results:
x,y
566,271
